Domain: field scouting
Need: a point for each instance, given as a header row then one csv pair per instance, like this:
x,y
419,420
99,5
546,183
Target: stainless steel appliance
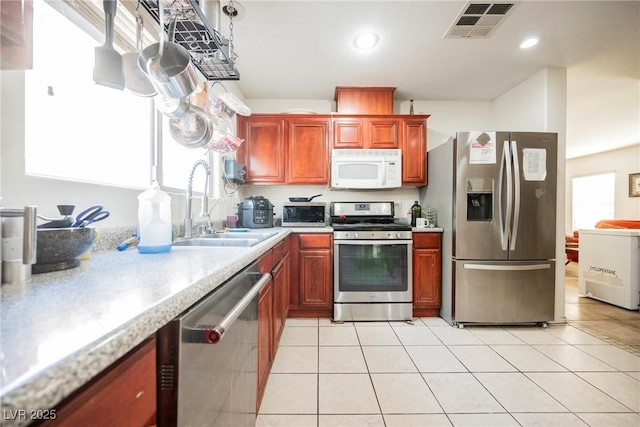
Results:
x,y
304,214
372,263
255,212
495,193
366,169
207,357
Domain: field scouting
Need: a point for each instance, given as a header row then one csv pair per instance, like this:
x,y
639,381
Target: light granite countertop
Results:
x,y
61,329
427,229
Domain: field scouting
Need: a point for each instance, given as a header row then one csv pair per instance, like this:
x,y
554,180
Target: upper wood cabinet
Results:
x,y
414,152
294,149
308,151
364,100
16,31
383,133
348,132
280,149
264,150
366,132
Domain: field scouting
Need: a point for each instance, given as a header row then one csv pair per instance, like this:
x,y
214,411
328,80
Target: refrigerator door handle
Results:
x,y
507,221
503,267
516,205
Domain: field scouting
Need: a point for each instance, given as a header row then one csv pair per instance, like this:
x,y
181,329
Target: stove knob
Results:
x,y
355,235
399,235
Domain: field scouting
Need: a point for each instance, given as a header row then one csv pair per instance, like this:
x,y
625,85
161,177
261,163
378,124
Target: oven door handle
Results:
x,y
365,242
214,334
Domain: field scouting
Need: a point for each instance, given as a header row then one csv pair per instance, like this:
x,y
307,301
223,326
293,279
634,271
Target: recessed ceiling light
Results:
x,y
530,42
366,40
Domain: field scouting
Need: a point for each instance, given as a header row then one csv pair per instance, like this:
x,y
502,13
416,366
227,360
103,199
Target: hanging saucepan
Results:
x,y
303,199
169,65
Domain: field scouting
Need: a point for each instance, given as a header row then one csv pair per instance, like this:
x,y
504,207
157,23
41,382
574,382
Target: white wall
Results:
x,y
623,162
539,104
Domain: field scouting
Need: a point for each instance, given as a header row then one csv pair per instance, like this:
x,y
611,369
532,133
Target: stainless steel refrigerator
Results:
x,y
495,194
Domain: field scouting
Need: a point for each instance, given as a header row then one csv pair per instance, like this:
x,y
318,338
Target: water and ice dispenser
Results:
x,y
479,199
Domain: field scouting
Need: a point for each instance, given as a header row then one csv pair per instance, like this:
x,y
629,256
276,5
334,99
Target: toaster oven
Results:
x,y
304,214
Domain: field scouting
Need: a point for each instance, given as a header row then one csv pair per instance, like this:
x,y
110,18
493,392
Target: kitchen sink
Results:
x,y
225,239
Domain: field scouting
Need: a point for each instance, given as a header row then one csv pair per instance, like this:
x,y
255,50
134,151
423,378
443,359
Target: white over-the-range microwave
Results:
x,y
366,169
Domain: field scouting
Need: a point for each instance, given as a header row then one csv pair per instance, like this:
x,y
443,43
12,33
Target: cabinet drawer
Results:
x,y
278,252
266,262
315,241
426,240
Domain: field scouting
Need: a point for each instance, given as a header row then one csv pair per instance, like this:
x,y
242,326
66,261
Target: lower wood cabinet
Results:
x,y
273,305
265,339
123,395
427,274
311,292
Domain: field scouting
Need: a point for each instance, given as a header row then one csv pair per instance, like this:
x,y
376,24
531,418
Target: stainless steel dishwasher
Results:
x,y
207,357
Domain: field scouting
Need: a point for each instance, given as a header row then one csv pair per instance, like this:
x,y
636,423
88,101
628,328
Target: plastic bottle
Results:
x,y
416,212
154,221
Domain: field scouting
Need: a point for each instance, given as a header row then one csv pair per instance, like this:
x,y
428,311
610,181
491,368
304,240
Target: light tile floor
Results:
x,y
430,374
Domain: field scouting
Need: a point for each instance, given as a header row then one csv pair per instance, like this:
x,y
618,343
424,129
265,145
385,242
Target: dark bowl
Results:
x,y
61,248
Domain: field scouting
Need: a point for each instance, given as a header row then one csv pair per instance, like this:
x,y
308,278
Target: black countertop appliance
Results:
x,y
255,212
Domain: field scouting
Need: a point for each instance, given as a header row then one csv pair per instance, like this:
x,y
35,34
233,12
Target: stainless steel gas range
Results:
x,y
372,263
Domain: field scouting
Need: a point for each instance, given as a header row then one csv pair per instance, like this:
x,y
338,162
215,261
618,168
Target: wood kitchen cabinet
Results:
x,y
311,292
280,149
308,151
427,274
290,149
264,151
265,338
363,132
123,395
414,152
16,34
273,305
281,274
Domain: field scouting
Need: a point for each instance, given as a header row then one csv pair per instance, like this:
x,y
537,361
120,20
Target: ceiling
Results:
x,y
303,50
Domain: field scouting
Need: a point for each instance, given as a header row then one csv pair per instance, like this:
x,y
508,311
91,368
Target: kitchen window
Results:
x,y
74,128
593,199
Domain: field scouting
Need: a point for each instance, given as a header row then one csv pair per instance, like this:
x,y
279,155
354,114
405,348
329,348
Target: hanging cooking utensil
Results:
x,y
172,107
135,80
193,130
303,199
90,215
107,70
168,64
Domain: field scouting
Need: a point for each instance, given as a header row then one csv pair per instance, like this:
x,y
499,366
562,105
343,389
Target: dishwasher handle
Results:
x,y
213,334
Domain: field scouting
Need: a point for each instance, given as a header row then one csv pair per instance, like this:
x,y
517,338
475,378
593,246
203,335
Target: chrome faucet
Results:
x,y
204,207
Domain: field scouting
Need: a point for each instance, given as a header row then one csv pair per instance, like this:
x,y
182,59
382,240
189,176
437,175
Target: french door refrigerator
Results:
x,y
495,193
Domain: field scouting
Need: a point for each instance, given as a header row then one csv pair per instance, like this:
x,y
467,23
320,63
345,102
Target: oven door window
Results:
x,y
373,268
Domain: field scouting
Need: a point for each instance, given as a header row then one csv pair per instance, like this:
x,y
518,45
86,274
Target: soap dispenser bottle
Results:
x,y
416,212
154,221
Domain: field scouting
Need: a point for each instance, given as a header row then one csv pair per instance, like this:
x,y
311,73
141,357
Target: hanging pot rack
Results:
x,y
209,50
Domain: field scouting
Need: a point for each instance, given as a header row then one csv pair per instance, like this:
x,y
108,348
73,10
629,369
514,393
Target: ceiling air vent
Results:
x,y
479,20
